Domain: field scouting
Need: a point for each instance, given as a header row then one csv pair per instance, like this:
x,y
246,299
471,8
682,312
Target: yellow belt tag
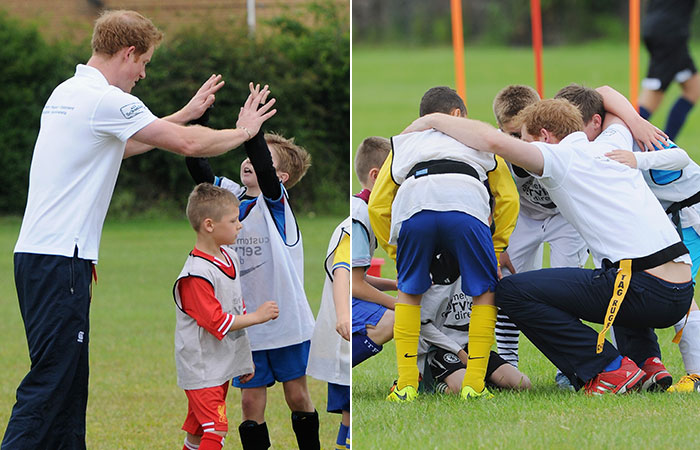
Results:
x,y
622,282
677,338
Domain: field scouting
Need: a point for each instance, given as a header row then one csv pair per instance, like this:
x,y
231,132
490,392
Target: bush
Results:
x,y
306,63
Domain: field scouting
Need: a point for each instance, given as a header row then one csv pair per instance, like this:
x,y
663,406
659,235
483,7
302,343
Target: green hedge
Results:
x,y
306,63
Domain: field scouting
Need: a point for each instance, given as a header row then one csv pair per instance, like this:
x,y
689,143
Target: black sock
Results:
x,y
254,436
305,426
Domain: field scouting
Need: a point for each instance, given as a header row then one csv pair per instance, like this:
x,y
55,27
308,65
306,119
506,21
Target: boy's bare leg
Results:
x,y
406,333
650,100
383,332
296,393
509,377
304,416
481,338
253,401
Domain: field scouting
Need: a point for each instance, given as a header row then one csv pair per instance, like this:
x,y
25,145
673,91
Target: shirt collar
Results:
x,y
83,70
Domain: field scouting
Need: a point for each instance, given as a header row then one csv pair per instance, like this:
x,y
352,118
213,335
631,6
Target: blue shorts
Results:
x,y
338,398
277,364
692,242
365,313
428,232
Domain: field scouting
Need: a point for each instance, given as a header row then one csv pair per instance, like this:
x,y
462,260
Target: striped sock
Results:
x,y
507,335
342,437
406,332
481,337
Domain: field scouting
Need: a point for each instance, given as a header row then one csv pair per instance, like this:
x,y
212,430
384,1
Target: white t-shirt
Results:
x,y
439,192
84,128
607,202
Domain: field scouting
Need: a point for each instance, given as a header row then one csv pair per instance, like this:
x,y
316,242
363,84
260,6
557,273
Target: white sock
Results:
x,y
690,342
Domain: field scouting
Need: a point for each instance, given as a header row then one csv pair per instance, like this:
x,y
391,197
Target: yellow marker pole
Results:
x,y
634,52
458,48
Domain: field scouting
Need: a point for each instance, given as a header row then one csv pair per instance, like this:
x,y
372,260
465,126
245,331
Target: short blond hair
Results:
x,y
558,116
115,30
371,154
291,158
207,201
511,100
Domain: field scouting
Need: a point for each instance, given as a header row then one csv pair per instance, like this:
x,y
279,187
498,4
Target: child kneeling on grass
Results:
x,y
211,344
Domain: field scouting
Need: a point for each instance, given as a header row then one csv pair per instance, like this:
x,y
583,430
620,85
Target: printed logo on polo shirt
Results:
x,y
132,110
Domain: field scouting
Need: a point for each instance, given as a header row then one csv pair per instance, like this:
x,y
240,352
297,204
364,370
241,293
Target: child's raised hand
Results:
x,y
648,137
268,311
625,157
251,117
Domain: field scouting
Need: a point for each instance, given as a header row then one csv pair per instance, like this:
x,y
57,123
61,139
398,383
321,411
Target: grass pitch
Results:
x,y
134,400
387,85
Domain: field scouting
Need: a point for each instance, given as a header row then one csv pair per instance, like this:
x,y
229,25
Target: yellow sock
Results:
x,y
481,338
406,332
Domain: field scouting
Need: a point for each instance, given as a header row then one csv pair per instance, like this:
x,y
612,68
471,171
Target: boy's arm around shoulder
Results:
x,y
483,137
379,207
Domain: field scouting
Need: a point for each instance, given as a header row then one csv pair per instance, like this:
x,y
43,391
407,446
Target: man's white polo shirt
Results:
x,y
84,128
607,202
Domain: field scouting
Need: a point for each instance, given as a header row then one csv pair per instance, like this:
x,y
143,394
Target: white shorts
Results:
x,y
567,247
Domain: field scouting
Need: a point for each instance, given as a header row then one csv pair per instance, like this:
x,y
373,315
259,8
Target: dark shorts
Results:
x,y
277,364
444,363
338,398
429,232
669,60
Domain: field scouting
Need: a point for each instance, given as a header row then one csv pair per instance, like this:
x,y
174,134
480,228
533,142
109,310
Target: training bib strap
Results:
x,y
441,166
622,282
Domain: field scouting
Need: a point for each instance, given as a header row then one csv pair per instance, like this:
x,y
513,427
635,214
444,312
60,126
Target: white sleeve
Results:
x,y
556,162
433,336
431,307
230,185
617,137
666,159
120,115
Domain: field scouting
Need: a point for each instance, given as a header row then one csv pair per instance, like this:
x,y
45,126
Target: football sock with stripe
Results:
x,y
690,342
342,437
254,436
211,441
363,348
481,337
305,426
406,332
676,117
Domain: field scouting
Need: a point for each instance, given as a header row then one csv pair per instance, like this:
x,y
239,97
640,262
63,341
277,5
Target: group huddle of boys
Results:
x,y
456,218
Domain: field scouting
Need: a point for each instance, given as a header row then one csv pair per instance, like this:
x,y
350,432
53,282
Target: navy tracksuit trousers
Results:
x,y
548,305
54,299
